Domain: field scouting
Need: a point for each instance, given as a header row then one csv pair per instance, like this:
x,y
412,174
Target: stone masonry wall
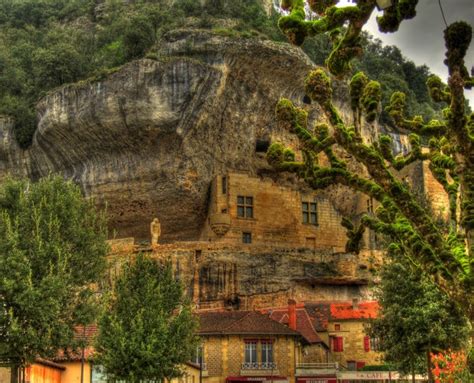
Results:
x,y
217,275
353,333
225,355
277,214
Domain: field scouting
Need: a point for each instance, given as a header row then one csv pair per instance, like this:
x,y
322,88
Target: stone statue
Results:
x,y
155,230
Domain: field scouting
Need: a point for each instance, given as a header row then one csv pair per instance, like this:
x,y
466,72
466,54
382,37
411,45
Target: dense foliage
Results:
x,y
390,68
47,43
52,251
416,318
443,250
147,330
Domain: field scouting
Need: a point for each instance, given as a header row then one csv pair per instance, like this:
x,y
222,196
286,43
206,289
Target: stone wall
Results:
x,y
353,333
277,214
224,356
314,353
219,275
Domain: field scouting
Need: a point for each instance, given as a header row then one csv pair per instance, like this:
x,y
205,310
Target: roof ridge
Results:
x,y
233,323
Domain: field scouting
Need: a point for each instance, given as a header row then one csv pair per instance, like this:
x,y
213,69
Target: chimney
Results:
x,y
292,314
355,303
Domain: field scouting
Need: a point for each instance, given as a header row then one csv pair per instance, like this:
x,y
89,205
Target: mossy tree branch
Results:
x,y
332,18
445,252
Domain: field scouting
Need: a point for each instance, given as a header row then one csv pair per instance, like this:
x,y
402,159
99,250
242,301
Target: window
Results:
x,y
199,355
258,354
251,351
337,327
310,212
375,344
337,344
370,205
351,365
244,207
197,255
246,237
267,352
224,185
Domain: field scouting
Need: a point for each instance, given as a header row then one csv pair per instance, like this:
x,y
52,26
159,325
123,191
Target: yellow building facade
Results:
x,y
247,346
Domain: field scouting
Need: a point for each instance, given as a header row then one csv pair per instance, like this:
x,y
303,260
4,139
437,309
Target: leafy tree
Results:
x,y
52,251
415,319
139,37
445,252
147,329
56,65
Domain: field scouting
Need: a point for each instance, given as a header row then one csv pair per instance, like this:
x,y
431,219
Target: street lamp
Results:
x,y
382,4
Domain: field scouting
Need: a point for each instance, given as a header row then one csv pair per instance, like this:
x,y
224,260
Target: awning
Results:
x,y
262,379
317,379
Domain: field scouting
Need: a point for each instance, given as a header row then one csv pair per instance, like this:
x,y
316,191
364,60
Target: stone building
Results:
x,y
240,346
343,326
264,243
335,334
252,210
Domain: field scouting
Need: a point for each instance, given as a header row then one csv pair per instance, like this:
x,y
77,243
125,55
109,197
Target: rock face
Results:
x,y
149,138
217,275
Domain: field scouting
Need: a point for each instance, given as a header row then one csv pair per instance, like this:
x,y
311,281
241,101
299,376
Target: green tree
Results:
x,y
415,319
443,251
52,251
147,329
139,37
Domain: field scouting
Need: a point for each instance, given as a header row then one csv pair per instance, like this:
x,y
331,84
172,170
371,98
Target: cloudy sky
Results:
x,y
421,39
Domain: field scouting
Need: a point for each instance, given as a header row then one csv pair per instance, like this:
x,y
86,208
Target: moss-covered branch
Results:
x,y
409,222
331,19
443,251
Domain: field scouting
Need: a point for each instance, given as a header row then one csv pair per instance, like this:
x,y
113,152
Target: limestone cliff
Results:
x,y
148,139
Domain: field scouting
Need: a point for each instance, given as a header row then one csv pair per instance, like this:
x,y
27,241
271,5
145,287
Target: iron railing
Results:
x,y
258,366
318,366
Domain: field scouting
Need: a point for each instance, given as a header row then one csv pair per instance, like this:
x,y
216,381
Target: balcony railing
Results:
x,y
318,366
259,366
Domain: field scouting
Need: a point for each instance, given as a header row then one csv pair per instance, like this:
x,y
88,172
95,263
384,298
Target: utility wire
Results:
x,y
442,13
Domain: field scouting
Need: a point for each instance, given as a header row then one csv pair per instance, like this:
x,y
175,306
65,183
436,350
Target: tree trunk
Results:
x,y
428,362
14,376
413,373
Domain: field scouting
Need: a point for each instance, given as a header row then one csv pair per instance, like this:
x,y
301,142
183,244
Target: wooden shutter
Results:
x,y
337,344
366,343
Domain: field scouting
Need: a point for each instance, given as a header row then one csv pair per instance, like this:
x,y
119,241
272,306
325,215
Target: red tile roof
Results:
x,y
87,333
241,323
303,323
346,311
319,314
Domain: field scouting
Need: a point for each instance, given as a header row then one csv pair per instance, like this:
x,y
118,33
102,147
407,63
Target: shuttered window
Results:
x,y
366,343
337,344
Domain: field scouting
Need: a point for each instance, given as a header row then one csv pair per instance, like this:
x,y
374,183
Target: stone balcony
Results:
x,y
308,369
256,369
220,223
